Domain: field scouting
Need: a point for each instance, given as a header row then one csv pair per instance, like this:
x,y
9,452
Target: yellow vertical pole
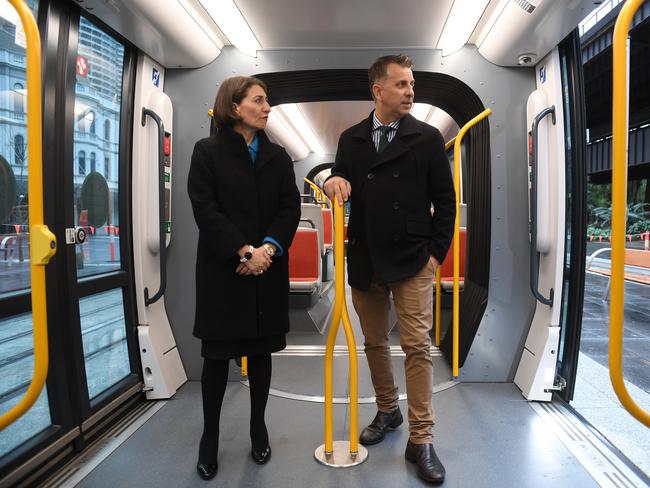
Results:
x,y
244,366
354,391
620,105
438,306
457,170
339,298
42,241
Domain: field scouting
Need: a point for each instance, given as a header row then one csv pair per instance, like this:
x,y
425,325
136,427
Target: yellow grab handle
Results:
x,y
340,311
244,366
457,142
320,195
42,241
619,207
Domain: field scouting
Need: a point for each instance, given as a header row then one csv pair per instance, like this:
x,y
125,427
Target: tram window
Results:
x,y
19,97
103,332
82,162
19,150
14,171
16,349
98,97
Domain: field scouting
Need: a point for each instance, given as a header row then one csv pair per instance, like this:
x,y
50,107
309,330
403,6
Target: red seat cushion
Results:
x,y
304,256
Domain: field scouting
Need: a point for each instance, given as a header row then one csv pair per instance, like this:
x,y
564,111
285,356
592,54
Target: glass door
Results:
x,y
16,328
96,205
87,118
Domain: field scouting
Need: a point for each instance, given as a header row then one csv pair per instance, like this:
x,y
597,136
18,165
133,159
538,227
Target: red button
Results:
x,y
167,145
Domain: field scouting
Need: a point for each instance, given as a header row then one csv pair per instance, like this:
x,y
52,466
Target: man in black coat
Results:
x,y
395,169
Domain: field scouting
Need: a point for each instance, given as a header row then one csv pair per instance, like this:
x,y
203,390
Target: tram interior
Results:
x,y
532,404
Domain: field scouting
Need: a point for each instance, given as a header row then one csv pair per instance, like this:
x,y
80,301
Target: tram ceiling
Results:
x,y
191,33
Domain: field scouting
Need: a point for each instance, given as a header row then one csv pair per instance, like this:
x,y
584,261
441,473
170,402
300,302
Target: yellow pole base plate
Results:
x,y
340,457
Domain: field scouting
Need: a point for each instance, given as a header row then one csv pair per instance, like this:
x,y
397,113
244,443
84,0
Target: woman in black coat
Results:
x,y
247,207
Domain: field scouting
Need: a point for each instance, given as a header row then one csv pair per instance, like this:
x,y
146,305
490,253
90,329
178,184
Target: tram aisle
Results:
x,y
486,434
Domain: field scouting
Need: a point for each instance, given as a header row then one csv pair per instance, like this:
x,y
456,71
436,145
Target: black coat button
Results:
x,y
396,173
396,237
371,176
396,205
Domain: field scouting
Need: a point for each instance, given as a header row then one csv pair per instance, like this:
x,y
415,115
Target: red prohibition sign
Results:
x,y
82,66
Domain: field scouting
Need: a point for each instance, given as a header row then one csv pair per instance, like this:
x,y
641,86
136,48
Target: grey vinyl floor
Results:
x,y
486,434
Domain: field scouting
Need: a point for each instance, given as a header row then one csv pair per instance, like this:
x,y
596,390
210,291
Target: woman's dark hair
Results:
x,y
232,90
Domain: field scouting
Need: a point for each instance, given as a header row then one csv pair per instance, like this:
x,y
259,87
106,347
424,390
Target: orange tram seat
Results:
x,y
304,262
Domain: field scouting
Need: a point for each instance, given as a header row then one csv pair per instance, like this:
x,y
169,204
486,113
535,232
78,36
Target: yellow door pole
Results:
x,y
457,169
244,366
438,306
340,454
438,287
619,206
42,242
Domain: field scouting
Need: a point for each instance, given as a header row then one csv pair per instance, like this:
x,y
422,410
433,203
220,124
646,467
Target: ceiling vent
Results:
x,y
526,6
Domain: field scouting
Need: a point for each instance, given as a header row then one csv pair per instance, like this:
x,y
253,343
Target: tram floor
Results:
x,y
486,434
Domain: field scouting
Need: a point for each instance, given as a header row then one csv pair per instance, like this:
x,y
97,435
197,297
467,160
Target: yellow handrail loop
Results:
x,y
329,454
457,169
448,144
619,206
321,198
42,242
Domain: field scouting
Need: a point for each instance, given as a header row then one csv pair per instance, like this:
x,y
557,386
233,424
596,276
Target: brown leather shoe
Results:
x,y
374,433
430,468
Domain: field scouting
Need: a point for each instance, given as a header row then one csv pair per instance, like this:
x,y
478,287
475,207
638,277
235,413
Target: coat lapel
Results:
x,y
364,148
399,145
266,151
236,144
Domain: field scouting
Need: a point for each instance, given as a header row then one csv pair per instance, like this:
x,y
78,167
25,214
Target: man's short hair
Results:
x,y
379,69
232,90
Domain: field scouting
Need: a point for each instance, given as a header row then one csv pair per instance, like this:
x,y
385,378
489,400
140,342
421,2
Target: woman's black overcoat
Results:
x,y
236,202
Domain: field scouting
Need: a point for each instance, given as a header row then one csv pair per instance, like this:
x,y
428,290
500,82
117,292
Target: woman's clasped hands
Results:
x,y
260,262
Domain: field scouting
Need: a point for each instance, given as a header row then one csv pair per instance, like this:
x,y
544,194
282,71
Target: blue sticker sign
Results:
x,y
155,77
542,74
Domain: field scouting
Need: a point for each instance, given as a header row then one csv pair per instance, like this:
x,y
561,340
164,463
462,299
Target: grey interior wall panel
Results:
x,y
497,346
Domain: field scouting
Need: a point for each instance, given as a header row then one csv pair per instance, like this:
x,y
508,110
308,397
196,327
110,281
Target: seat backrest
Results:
x,y
328,227
315,214
447,268
304,256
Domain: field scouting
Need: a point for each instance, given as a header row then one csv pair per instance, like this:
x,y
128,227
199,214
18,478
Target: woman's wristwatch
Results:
x,y
269,248
247,255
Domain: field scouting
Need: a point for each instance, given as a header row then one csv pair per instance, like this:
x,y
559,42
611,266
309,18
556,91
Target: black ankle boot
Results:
x,y
374,433
261,456
207,464
207,471
429,466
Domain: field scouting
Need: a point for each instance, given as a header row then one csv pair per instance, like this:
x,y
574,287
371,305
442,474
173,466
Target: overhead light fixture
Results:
x,y
460,24
297,119
232,23
286,136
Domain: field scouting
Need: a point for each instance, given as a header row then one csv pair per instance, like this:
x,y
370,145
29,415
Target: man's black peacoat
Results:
x,y
236,202
391,232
